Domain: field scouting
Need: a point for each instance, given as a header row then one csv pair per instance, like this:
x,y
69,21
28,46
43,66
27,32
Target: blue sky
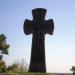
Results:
x,y
59,48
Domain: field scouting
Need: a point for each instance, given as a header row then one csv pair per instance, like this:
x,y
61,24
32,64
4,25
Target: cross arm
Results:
x,y
49,26
27,27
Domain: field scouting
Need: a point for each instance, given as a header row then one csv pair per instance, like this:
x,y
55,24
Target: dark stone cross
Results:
x,y
38,27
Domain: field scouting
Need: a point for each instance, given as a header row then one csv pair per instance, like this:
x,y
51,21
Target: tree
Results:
x,y
3,46
73,70
3,50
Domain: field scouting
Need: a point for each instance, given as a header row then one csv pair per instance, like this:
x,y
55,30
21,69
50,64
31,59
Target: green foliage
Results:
x,y
12,68
3,45
3,50
2,66
73,70
18,67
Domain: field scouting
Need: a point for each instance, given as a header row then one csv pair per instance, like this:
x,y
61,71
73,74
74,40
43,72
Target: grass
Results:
x,y
26,74
35,73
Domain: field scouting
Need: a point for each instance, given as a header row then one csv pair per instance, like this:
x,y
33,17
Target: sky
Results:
x,y
59,47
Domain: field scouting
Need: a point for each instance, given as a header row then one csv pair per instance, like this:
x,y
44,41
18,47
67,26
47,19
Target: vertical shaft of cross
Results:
x,y
37,62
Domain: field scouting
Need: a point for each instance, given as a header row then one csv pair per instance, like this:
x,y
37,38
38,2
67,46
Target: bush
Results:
x,y
18,67
2,66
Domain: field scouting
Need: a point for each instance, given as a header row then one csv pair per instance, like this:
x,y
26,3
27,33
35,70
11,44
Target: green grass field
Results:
x,y
35,74
27,74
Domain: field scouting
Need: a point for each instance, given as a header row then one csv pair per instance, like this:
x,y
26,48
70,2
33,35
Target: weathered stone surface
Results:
x,y
38,27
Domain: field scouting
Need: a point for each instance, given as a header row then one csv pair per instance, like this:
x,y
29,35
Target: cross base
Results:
x,y
37,67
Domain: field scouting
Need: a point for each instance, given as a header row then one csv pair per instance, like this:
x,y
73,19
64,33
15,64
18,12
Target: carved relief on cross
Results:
x,y
39,23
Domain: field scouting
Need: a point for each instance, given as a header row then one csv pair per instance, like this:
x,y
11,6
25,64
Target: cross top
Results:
x,y
39,14
46,26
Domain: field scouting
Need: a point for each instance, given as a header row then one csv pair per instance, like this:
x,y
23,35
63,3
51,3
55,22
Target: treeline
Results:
x,y
15,67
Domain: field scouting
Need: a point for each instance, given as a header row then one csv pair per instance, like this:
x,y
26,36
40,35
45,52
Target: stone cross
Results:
x,y
38,27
